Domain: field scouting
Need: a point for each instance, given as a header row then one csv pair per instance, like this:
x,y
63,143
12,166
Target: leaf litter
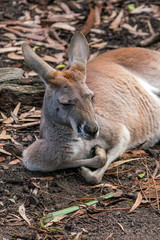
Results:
x,y
32,117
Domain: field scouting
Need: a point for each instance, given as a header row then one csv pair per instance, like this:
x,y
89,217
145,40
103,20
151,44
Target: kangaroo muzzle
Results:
x,y
88,131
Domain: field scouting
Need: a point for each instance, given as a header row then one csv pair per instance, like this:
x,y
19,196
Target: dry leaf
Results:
x,y
9,22
134,153
14,162
153,194
120,162
10,35
150,40
31,30
54,8
30,113
2,159
3,134
56,219
9,49
59,56
23,215
3,115
89,22
114,25
8,120
5,152
16,110
25,35
26,125
129,27
97,31
32,74
97,15
141,9
152,189
15,56
100,45
65,7
28,120
132,30
78,213
137,202
47,58
59,18
54,45
14,117
107,19
64,26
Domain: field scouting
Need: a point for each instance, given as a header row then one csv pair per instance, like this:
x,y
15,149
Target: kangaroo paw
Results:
x,y
90,176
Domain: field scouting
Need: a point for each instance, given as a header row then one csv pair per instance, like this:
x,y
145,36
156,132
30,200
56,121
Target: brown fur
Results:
x,y
125,114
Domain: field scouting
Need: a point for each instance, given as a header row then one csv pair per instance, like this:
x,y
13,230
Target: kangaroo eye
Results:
x,y
92,98
65,104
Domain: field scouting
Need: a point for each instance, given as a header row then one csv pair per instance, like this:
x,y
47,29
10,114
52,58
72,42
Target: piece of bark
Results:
x,y
7,74
14,88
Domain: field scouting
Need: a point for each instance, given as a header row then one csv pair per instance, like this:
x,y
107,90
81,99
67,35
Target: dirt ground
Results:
x,y
42,193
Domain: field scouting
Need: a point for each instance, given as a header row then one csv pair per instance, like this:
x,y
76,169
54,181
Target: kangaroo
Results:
x,y
92,113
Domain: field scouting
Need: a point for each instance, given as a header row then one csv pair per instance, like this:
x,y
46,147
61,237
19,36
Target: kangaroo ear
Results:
x,y
37,64
78,50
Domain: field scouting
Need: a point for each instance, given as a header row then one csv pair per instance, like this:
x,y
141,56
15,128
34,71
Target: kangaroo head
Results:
x,y
68,100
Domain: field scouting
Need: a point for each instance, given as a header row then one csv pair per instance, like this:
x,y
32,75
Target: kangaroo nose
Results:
x,y
91,130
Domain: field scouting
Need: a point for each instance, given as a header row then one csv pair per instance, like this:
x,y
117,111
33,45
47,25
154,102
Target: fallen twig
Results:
x,y
150,40
156,169
25,125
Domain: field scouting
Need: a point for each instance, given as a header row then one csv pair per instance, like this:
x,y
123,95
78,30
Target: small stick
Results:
x,y
148,41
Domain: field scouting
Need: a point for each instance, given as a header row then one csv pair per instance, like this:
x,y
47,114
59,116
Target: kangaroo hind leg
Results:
x,y
39,156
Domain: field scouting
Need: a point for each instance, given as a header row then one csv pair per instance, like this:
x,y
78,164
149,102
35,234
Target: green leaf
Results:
x,y
52,216
141,175
131,7
60,66
36,47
